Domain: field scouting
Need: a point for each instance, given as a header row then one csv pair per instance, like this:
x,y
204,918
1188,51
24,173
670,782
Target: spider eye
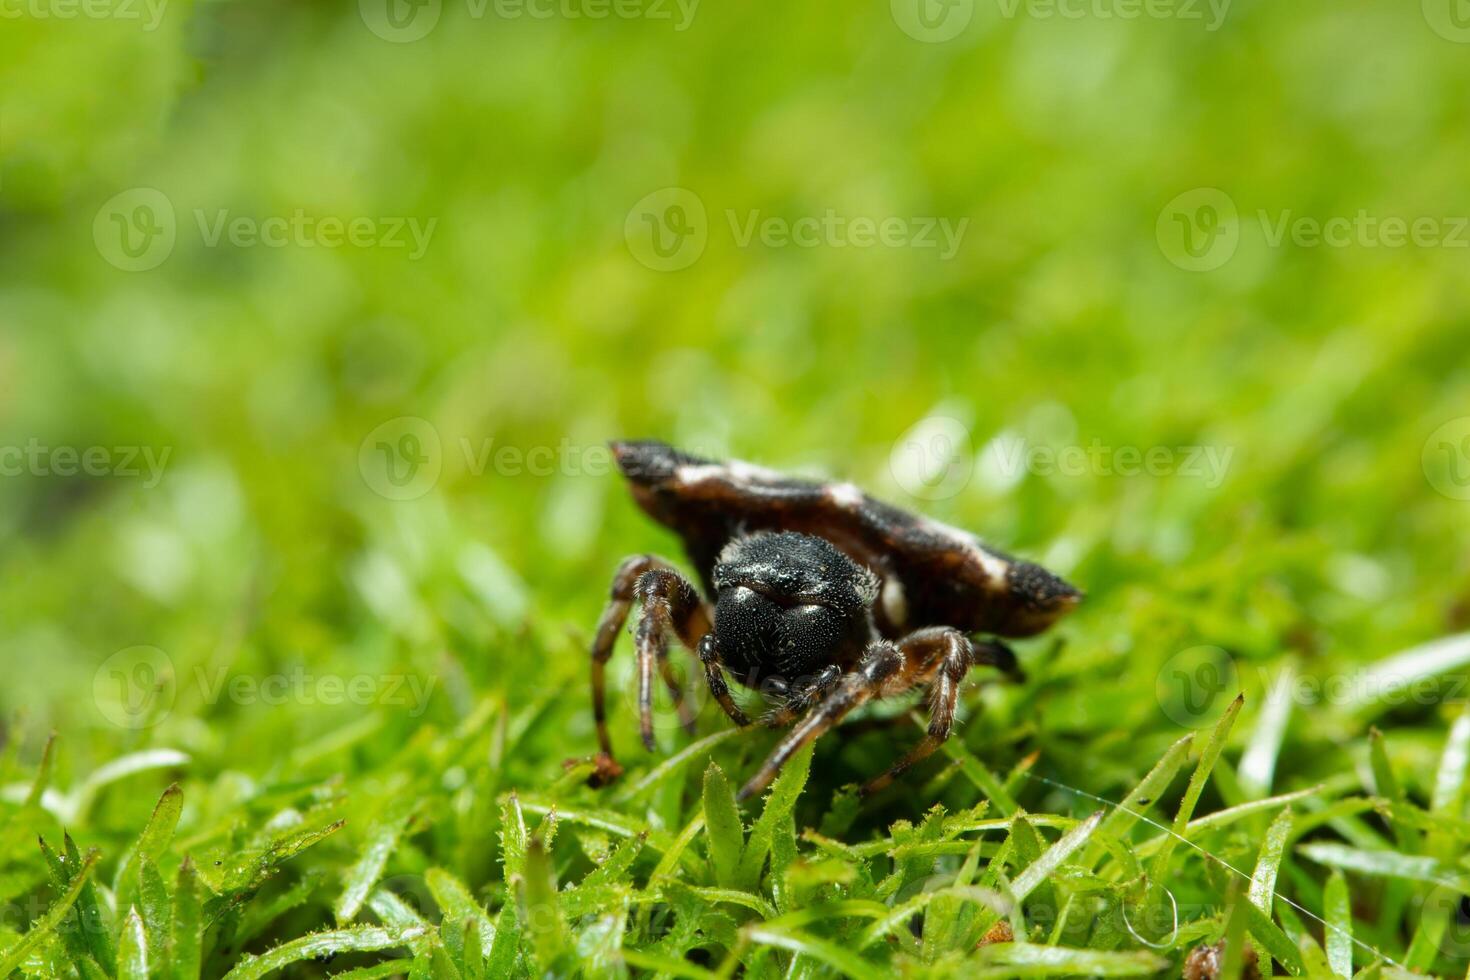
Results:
x,y
759,634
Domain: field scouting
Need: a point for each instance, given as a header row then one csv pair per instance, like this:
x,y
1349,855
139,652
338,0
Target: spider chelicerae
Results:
x,y
814,594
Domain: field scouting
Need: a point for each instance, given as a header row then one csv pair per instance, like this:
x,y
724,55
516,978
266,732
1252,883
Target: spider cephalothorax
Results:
x,y
788,604
813,593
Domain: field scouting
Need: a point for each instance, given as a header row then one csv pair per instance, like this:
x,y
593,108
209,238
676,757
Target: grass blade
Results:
x,y
658,963
780,801
1029,960
1262,890
1387,864
46,925
79,803
186,938
1339,930
43,773
1126,814
1207,760
540,908
506,947
154,905
983,778
457,903
1257,769
132,949
835,956
151,844
1041,869
1263,881
320,945
1389,787
382,840
723,829
1401,671
1448,798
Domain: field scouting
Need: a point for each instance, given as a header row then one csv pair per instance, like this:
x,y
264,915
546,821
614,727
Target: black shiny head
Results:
x,y
789,604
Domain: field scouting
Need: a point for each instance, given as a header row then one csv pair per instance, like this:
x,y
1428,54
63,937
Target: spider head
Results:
x,y
789,604
1037,597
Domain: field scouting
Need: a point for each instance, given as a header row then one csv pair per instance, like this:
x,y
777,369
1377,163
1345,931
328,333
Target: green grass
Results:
x,y
417,857
305,728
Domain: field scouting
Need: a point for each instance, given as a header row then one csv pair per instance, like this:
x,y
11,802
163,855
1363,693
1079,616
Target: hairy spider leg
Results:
x,y
800,699
881,662
670,604
938,656
714,675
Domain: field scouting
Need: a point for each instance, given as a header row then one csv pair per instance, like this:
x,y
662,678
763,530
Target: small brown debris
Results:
x,y
605,769
998,933
1205,962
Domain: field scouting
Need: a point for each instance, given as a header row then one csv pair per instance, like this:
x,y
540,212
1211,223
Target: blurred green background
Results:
x,y
1074,152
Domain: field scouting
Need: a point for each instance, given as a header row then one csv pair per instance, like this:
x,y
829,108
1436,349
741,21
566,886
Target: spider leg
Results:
x,y
993,653
802,697
670,604
880,663
941,656
714,675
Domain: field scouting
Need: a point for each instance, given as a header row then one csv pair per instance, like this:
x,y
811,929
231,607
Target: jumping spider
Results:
x,y
823,599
